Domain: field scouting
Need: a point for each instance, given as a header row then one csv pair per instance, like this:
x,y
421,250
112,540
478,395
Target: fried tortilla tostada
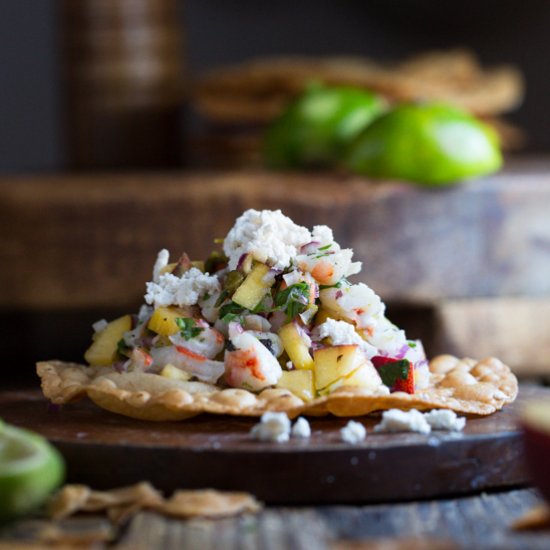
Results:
x,y
270,323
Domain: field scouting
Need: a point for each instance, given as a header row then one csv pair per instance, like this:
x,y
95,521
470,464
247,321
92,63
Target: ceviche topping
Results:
x,y
274,308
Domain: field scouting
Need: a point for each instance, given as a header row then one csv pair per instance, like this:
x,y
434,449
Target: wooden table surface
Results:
x,y
474,523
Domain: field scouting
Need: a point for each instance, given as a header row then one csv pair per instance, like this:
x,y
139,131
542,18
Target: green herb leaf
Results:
x,y
396,370
262,306
231,311
326,247
293,300
335,285
188,327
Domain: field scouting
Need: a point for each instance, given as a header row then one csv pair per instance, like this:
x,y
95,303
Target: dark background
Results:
x,y
227,31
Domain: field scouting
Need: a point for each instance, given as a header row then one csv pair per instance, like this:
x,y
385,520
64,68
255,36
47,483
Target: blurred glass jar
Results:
x,y
124,83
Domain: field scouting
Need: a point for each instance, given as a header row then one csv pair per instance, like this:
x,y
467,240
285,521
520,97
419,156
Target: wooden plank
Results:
x,y
85,241
480,522
217,451
513,329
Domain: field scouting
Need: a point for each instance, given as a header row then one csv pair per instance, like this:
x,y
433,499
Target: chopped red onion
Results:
x,y
309,248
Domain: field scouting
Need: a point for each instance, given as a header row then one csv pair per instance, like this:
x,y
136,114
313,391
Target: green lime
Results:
x,y
430,143
315,129
30,469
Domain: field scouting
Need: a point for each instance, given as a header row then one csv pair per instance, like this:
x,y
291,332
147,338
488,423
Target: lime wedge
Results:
x,y
429,143
315,128
30,469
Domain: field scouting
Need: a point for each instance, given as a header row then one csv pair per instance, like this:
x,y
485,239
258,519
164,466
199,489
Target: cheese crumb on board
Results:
x,y
301,428
396,420
445,419
273,426
353,432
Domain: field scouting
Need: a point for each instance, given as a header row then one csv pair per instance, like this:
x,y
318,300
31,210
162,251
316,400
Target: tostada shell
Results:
x,y
465,386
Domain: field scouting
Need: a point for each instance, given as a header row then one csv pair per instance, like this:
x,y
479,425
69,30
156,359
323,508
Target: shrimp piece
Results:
x,y
208,342
140,360
329,267
357,304
189,361
323,272
251,365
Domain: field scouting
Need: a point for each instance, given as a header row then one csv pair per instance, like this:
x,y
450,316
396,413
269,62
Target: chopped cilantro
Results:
x,y
293,300
335,285
412,344
188,327
326,247
231,312
396,370
262,306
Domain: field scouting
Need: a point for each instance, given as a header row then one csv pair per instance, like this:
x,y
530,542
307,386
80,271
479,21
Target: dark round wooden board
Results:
x,y
105,450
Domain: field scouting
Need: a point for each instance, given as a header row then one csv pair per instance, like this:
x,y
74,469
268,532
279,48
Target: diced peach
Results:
x,y
103,350
299,382
296,346
334,362
254,287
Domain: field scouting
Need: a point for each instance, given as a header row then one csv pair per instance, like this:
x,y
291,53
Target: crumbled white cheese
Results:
x,y
353,432
98,326
322,234
343,333
181,291
273,426
269,235
396,420
301,428
444,419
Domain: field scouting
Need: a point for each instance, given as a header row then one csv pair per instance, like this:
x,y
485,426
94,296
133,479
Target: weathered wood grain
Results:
x,y
83,241
481,522
513,329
